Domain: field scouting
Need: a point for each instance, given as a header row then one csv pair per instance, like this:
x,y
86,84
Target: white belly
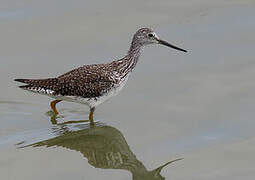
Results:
x,y
94,102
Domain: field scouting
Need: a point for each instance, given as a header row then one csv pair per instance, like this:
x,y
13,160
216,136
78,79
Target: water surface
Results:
x,y
197,105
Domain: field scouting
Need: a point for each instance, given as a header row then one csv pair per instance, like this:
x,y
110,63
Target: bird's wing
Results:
x,y
87,81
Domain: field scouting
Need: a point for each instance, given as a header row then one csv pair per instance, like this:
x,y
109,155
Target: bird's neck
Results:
x,y
134,50
132,57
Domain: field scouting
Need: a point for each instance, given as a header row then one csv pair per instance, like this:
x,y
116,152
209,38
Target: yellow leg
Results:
x,y
53,106
91,116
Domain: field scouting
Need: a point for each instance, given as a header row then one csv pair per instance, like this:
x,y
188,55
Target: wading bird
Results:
x,y
93,84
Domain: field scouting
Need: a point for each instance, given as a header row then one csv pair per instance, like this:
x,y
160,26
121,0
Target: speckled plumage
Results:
x,y
88,81
93,84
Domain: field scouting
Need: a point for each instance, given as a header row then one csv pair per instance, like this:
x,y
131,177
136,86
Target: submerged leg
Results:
x,y
53,105
91,116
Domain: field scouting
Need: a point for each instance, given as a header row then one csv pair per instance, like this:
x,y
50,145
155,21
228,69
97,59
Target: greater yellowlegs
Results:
x,y
93,84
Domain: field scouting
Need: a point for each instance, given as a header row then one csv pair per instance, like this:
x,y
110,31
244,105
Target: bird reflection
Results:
x,y
104,146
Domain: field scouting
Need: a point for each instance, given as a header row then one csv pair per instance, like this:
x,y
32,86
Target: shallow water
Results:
x,y
197,105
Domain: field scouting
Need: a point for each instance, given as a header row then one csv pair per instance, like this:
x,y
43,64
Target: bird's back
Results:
x,y
87,81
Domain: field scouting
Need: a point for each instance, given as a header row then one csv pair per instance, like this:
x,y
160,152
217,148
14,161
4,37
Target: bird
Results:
x,y
93,84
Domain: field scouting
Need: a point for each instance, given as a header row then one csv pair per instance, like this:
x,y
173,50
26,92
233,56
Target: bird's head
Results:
x,y
145,36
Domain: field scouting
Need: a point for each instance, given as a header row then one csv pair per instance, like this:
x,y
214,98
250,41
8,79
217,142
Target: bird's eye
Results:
x,y
150,35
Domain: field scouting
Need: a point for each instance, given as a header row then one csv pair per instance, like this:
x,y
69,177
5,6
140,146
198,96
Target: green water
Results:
x,y
198,106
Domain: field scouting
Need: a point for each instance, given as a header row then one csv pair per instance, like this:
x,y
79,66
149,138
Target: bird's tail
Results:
x,y
46,86
26,81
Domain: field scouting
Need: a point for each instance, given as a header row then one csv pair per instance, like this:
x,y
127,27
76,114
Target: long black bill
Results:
x,y
170,45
